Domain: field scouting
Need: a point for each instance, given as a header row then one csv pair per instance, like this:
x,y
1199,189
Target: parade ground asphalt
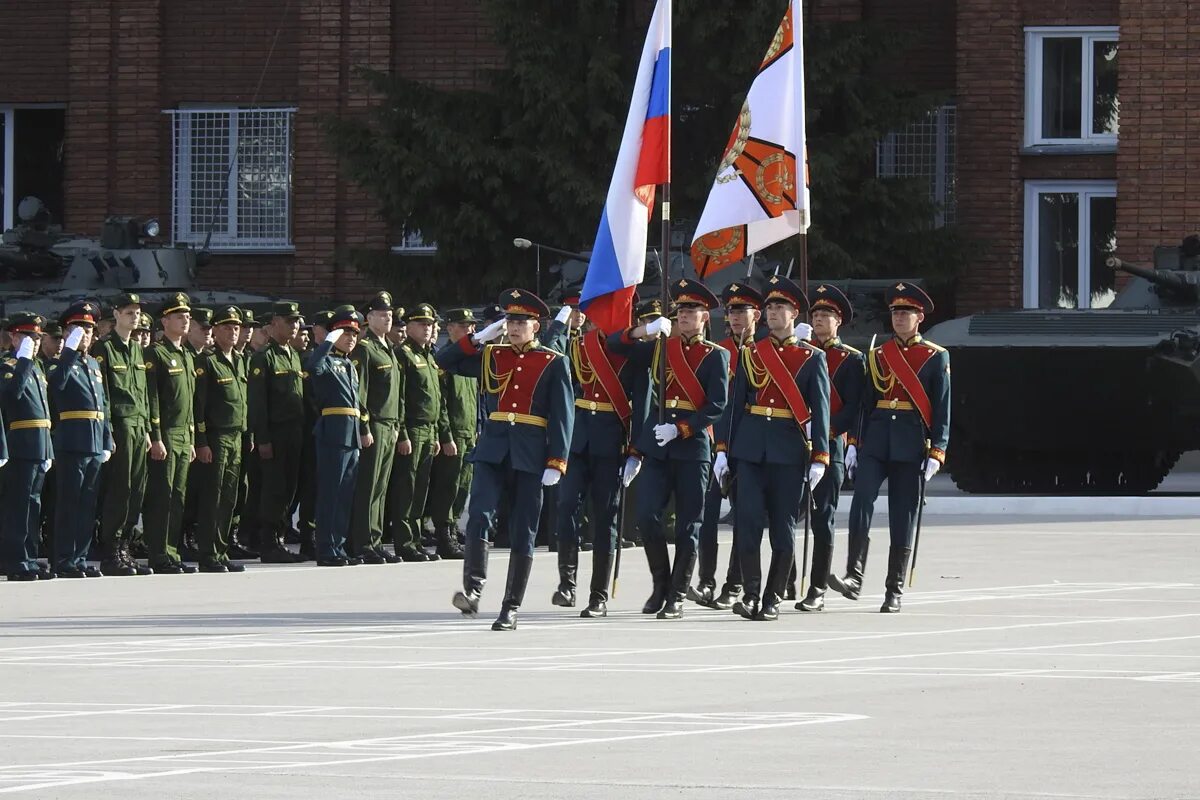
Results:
x,y
1035,658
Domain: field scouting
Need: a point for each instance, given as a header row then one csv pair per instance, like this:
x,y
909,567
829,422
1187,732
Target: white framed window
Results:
x,y
409,241
1070,229
924,151
1071,86
232,178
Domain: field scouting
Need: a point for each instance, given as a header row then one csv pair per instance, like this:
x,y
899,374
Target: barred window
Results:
x,y
924,150
233,176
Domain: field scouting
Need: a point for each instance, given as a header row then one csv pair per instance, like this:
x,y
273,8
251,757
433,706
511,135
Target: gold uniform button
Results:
x,y
770,410
512,418
893,406
592,405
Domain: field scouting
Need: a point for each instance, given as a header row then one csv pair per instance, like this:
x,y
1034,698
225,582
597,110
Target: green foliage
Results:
x,y
530,151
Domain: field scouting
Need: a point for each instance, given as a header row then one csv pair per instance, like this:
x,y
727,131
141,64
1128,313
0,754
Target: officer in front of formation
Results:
x,y
25,409
220,412
83,441
777,424
450,480
342,433
905,432
382,380
524,444
675,457
743,309
847,382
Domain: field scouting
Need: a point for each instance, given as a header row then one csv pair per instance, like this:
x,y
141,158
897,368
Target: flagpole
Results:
x,y
664,257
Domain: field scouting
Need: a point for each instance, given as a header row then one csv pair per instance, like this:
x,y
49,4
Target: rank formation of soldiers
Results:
x,y
206,438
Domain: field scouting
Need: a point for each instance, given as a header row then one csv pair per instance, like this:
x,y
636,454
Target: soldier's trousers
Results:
x,y
709,549
410,487
337,471
306,506
166,489
450,484
279,478
78,482
825,498
245,512
371,486
685,481
904,495
125,484
768,495
218,486
525,504
599,479
21,510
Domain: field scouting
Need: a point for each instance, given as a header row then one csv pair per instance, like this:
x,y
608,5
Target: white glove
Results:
x,y
802,331
808,430
563,314
665,433
632,467
105,455
47,464
721,467
816,471
3,461
550,477
25,350
661,325
491,332
851,458
74,337
333,336
932,465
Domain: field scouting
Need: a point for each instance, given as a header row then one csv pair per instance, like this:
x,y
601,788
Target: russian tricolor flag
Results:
x,y
619,256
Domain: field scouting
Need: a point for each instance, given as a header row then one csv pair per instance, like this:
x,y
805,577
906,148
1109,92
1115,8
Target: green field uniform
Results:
x,y
220,408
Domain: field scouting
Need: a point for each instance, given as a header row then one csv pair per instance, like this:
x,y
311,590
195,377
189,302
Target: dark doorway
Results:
x,y
38,158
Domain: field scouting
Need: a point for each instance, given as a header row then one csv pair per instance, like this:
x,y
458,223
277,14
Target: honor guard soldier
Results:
x,y
847,382
906,430
342,432
276,400
780,394
675,456
220,412
524,444
743,310
170,387
604,413
49,349
424,432
25,408
383,382
83,441
450,482
123,367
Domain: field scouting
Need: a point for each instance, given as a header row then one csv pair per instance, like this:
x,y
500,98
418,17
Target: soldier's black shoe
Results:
x,y
92,572
447,544
44,573
519,567
568,567
848,587
119,568
167,568
332,561
277,554
233,566
563,599
507,621
747,609
897,567
292,536
431,556
467,603
142,569
813,601
595,609
187,569
660,574
626,544
24,576
66,572
213,566
237,551
724,601
702,596
369,556
672,609
891,604
585,547
353,561
387,557
769,611
407,554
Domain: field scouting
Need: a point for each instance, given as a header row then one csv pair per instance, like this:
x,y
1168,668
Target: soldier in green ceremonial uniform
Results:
x,y
123,368
277,422
170,386
199,343
220,410
245,518
450,482
382,381
425,433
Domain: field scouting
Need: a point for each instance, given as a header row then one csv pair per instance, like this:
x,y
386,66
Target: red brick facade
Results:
x,y
117,64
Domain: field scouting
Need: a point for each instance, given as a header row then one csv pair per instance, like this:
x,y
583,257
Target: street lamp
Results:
x,y
525,244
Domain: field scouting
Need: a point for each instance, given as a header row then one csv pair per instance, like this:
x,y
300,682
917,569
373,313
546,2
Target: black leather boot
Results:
x,y
818,578
772,593
660,573
568,566
751,567
237,549
519,567
897,566
850,586
601,574
706,581
681,578
474,576
447,543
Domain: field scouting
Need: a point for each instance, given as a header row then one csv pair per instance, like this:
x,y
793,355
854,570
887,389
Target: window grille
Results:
x,y
924,150
233,175
409,241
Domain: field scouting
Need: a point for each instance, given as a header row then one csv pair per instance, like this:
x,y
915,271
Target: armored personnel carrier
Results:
x,y
1065,401
43,269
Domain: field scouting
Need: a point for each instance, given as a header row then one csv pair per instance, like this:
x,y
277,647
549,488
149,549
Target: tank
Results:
x,y
43,269
1097,401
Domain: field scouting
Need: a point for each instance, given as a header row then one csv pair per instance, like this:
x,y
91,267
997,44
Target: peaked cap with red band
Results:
x,y
906,296
830,298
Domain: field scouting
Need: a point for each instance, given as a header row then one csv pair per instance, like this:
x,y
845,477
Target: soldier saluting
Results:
x,y
524,443
904,438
